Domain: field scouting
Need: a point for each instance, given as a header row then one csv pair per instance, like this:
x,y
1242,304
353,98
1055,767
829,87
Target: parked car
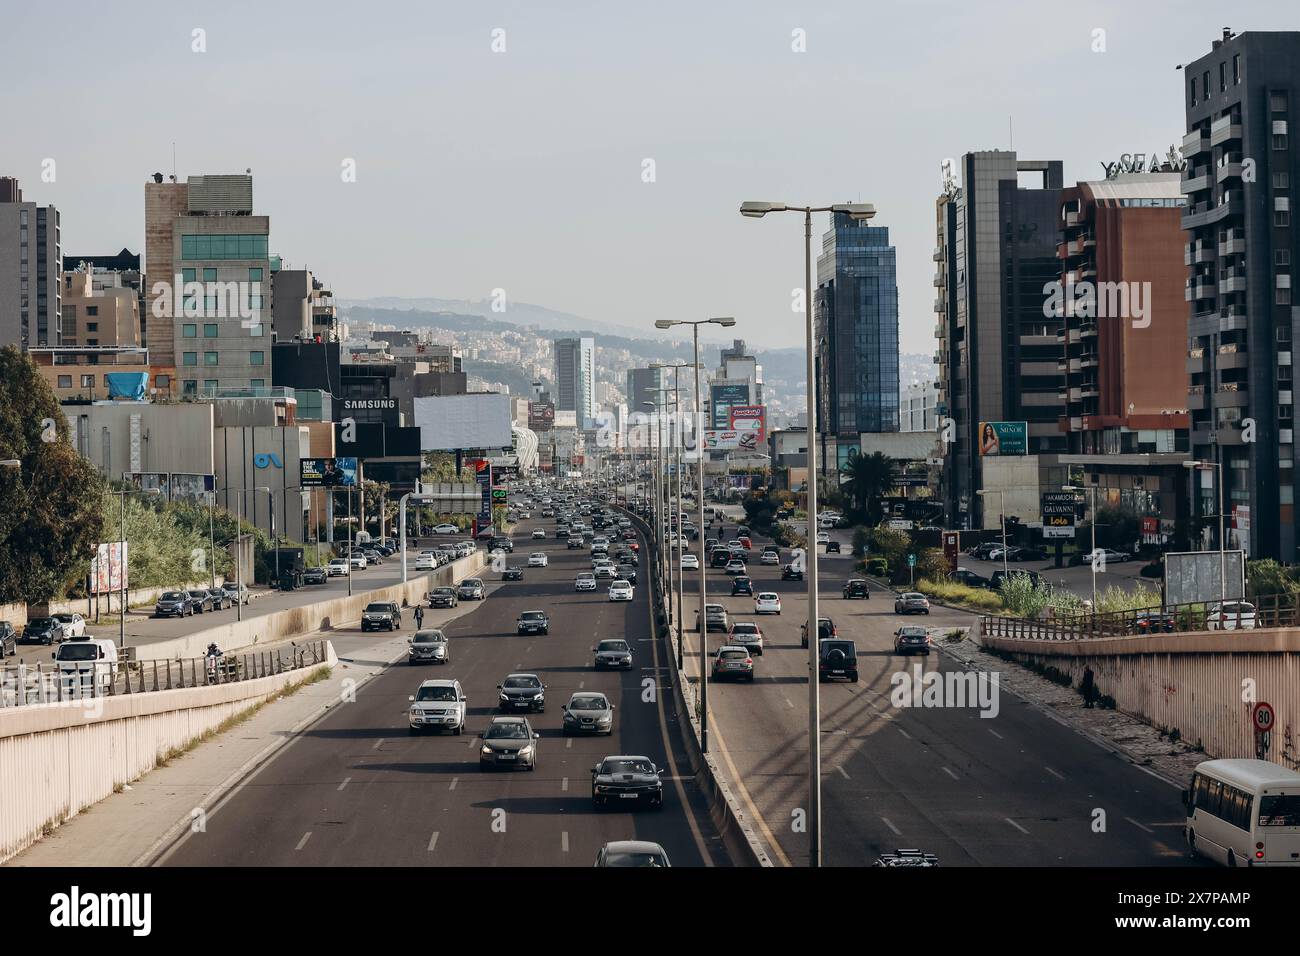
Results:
x,y
508,742
837,659
1027,553
1152,622
733,662
521,692
201,599
912,639
445,529
767,602
588,712
1230,616
338,567
169,604
315,575
622,780
856,588
74,625
438,705
385,614
911,602
533,622
220,598
969,578
998,576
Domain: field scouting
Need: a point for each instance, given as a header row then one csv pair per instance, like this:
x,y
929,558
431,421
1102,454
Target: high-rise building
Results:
x,y
917,408
209,277
1242,252
575,378
643,385
856,331
998,351
31,267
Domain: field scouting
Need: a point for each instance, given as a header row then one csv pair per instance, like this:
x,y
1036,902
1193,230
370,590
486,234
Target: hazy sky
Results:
x,y
523,170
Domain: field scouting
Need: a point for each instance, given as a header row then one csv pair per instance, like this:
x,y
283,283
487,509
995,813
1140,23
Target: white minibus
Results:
x,y
1244,813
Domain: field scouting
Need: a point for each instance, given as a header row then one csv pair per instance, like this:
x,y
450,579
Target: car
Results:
x,y
316,575
220,598
508,742
338,567
733,662
502,542
539,532
438,705
907,858
621,590
74,625
832,547
201,600
471,589
627,571
1153,622
385,614
1027,553
537,560
836,659
742,585
911,602
575,541
969,578
613,652
998,576
169,604
606,570
588,712
521,692
770,556
444,529
823,537
357,561
621,780
430,645
735,566
8,639
825,629
45,630
912,639
767,602
442,597
373,556
533,622
715,618
585,581
748,635
425,562
513,573
690,562
856,588
790,572
1230,616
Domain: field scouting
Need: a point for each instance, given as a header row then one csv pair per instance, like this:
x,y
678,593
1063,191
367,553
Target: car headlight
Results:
x,y
570,717
505,696
486,751
526,751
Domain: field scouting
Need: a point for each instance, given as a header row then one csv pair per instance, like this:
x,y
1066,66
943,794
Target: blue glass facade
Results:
x,y
856,330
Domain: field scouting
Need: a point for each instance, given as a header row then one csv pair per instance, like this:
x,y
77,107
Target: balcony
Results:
x,y
1088,360
1232,356
940,305
937,255
1200,287
1232,283
1228,170
1072,217
1193,143
1232,395
1088,330
1198,183
1233,246
1196,400
1198,252
1233,319
1224,130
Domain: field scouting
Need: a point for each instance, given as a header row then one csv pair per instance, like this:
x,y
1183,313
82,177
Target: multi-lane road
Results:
x,y
356,789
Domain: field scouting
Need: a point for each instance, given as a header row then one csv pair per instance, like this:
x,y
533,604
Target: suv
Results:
x,y
836,658
178,603
790,573
575,541
430,645
385,614
825,630
715,618
533,622
438,705
856,588
733,660
746,634
742,585
471,589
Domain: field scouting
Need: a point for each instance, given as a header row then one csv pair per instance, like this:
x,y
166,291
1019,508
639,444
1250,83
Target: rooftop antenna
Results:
x,y
1011,132
173,160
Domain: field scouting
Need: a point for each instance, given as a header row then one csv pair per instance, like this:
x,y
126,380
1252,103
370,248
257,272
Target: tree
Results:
x,y
865,479
50,517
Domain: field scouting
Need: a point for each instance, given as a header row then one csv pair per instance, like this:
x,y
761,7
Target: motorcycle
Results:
x,y
212,661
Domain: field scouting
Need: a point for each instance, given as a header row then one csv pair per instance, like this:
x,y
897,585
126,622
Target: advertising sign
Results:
x,y
192,487
1201,577
951,549
730,441
158,481
723,396
451,422
483,477
1003,438
327,472
541,416
749,418
108,566
1058,508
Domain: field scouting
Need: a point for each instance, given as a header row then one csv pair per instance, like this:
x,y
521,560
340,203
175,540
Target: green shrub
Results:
x,y
1117,599
953,593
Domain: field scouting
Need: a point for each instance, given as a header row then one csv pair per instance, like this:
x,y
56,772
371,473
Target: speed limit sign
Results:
x,y
1262,714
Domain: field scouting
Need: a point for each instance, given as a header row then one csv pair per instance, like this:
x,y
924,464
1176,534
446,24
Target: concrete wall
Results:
x,y
139,436
56,761
1191,682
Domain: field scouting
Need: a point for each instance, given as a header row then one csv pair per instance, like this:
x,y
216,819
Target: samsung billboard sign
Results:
x,y
383,410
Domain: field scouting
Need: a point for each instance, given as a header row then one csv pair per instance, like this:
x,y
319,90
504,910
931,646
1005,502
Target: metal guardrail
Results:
x,y
24,685
1273,610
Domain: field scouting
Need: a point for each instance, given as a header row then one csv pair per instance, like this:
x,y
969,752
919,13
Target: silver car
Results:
x,y
508,742
438,705
588,713
613,653
428,646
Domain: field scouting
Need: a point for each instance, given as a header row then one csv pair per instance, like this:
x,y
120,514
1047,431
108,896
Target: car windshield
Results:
x,y
1279,810
442,592
744,629
586,576
714,609
506,731
912,632
65,618
626,765
78,652
733,655
377,607
436,693
518,682
612,645
532,615
767,596
589,702
428,637
172,596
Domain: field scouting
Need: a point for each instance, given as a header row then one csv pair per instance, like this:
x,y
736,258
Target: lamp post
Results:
x,y
725,322
1093,524
859,212
677,455
121,608
1217,466
1002,499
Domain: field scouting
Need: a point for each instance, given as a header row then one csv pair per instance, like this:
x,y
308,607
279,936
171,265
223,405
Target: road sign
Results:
x,y
1263,716
911,560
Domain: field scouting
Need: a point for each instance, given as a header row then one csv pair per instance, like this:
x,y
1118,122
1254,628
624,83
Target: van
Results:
x,y
86,667
1244,813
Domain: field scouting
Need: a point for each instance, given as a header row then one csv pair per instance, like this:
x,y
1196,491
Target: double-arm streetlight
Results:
x,y
858,212
1223,557
725,322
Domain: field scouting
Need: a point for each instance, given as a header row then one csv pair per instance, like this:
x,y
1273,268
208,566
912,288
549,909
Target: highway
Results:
x,y
1015,789
356,789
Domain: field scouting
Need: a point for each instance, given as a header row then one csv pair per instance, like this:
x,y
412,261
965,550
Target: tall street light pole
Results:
x,y
1002,504
725,322
122,571
677,455
859,212
1217,466
1092,522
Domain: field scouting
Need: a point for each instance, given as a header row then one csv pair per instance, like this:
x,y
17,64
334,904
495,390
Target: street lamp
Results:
x,y
1002,499
725,322
1093,522
858,212
239,528
1223,558
677,457
121,608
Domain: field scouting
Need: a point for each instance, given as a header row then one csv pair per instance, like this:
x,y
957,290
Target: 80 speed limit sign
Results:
x,y
1262,714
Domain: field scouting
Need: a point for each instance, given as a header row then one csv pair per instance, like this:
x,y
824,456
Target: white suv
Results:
x,y
438,705
620,590
586,581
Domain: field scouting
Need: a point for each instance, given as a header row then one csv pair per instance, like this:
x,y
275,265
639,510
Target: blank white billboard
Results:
x,y
1195,577
449,422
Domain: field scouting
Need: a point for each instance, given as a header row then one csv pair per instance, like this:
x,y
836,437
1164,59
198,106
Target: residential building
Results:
x,y
643,385
575,377
917,408
31,266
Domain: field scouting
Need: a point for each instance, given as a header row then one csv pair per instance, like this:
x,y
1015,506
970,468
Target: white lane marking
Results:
x,y
471,742
564,783
788,703
904,733
996,734
433,841
564,842
581,684
1055,773
378,743
843,773
1138,825
568,744
303,842
1016,825
345,782
454,781
948,772
897,832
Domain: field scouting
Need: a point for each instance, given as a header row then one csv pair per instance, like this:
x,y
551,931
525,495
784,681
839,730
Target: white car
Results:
x,y
770,557
446,529
358,560
537,560
425,562
620,590
74,625
438,705
767,602
337,568
690,562
525,514
1230,616
586,581
539,533
606,570
823,537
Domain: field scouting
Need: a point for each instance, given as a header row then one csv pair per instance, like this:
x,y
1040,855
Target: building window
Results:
x,y
1281,217
1236,69
1283,297
254,301
224,247
210,385
1282,257
257,383
189,387
211,358
189,275
65,381
1279,141
254,275
255,330
1281,181
1205,85
87,381
209,330
256,358
189,330
162,381
190,358
209,275
92,310
92,326
1223,77
1284,333
1192,86
1277,102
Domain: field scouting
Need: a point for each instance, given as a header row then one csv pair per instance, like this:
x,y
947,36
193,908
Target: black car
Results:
x,y
626,781
314,576
1027,553
790,573
533,622
43,630
202,600
742,585
832,547
521,692
8,639
515,573
1155,622
969,578
998,576
443,597
856,588
173,604
385,614
837,659
505,544
627,572
912,639
221,599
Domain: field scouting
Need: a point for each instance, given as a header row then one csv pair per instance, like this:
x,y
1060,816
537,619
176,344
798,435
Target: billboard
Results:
x,y
108,566
1003,438
541,416
1196,577
192,487
483,477
327,472
1058,509
749,418
730,441
451,422
722,396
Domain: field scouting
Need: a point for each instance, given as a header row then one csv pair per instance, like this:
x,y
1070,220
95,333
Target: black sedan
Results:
x,y
630,781
742,585
43,630
512,574
521,692
202,600
221,598
314,576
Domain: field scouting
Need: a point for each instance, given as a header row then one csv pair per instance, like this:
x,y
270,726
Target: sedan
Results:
x,y
8,639
539,533
912,639
315,575
445,529
823,537
586,581
912,602
423,562
74,625
626,780
627,572
735,566
512,574
521,692
508,742
620,591
221,598
770,557
42,630
533,622
471,589
442,597
632,853
337,567
537,560
588,713
767,602
614,652
690,562
201,600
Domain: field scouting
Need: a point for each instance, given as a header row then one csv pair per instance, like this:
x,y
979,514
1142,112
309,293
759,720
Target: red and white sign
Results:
x,y
1263,717
749,418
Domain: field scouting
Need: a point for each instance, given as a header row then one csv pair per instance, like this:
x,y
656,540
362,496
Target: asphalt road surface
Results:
x,y
1015,789
356,789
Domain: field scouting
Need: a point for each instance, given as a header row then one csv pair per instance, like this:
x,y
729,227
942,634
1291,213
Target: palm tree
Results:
x,y
865,479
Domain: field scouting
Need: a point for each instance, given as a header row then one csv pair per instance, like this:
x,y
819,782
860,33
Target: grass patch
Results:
x,y
978,599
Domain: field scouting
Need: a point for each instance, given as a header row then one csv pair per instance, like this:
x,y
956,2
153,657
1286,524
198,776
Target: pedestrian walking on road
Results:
x,y
1087,688
419,617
